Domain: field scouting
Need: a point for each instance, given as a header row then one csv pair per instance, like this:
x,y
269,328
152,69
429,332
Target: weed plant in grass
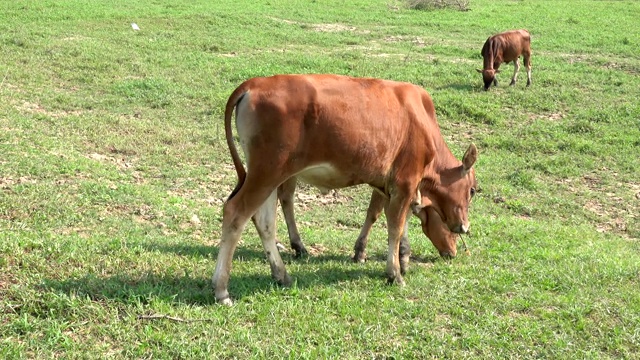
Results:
x,y
114,169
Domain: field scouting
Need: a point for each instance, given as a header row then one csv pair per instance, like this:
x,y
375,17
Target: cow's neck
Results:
x,y
488,62
443,162
491,56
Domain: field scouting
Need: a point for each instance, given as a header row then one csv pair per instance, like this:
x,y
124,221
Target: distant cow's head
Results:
x,y
450,195
488,76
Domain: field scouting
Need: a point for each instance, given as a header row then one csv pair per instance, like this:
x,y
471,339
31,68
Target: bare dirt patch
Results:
x,y
307,198
332,27
415,40
335,27
33,108
120,162
615,208
555,116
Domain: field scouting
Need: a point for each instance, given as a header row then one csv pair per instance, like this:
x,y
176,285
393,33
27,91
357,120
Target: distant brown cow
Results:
x,y
332,132
505,47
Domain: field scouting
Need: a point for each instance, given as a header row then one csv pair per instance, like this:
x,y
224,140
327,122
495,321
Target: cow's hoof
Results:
x,y
398,280
226,301
286,281
301,253
359,257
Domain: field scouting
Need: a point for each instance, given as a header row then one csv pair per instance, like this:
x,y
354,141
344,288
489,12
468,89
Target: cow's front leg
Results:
x,y
396,214
516,69
405,249
373,213
496,68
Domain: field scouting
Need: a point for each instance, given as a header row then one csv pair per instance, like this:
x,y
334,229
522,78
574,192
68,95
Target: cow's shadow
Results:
x,y
144,286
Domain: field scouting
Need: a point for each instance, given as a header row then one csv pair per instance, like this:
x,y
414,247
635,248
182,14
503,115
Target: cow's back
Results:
x,y
318,119
507,46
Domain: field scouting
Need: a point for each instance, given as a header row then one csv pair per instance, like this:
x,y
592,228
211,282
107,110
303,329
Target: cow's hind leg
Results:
x,y
265,222
373,213
236,213
285,194
516,69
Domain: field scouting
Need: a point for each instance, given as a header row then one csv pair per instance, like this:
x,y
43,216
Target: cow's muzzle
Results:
x,y
447,255
461,229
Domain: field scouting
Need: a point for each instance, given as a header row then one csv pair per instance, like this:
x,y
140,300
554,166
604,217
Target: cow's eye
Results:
x,y
473,191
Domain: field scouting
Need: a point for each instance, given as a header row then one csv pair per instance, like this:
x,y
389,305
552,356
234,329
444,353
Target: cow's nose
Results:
x,y
461,229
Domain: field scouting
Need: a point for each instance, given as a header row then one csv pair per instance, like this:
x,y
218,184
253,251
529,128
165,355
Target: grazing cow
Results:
x,y
332,132
505,47
444,240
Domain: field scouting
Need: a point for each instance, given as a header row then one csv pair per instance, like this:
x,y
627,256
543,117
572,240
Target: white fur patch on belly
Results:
x,y
323,176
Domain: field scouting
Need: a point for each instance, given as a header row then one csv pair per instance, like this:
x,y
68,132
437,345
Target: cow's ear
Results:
x,y
470,157
479,70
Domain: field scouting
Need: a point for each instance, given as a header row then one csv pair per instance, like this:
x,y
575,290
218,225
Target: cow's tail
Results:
x,y
233,101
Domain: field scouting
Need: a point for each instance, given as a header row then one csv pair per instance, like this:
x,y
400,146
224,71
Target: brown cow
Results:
x,y
332,132
505,47
444,240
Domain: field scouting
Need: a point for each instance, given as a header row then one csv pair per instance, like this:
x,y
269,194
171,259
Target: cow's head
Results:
x,y
450,194
432,226
488,76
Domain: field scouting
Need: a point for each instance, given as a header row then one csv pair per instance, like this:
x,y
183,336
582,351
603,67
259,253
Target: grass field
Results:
x,y
114,169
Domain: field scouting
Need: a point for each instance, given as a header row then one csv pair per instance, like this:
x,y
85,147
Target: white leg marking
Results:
x,y
231,229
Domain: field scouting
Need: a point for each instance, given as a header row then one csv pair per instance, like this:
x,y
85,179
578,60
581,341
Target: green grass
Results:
x,y
111,141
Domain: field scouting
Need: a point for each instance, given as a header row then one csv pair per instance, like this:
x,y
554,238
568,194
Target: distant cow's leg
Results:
x,y
516,69
236,213
373,213
265,221
396,214
285,194
527,64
